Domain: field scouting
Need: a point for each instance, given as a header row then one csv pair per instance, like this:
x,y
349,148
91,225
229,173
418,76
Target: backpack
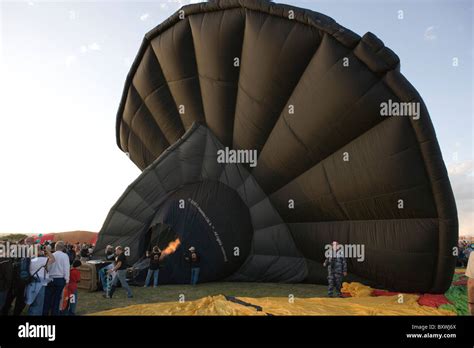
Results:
x,y
34,277
24,269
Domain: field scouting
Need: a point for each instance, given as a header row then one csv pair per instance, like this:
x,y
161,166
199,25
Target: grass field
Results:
x,y
91,302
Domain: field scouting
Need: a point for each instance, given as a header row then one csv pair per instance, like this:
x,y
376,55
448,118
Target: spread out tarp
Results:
x,y
307,95
385,305
218,305
211,305
363,300
355,289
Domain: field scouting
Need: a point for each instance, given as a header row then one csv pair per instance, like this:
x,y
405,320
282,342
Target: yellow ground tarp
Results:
x,y
211,305
218,305
356,289
382,305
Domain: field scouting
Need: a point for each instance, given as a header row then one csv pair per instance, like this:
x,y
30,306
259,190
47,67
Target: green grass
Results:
x,y
458,297
91,302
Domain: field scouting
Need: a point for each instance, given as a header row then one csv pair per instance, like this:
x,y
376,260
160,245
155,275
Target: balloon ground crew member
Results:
x,y
109,256
337,269
154,269
120,267
193,258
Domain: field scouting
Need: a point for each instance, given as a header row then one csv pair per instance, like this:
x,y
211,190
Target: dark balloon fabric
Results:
x,y
216,207
306,93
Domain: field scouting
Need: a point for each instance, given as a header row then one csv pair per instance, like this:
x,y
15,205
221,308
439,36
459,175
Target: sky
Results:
x,y
62,69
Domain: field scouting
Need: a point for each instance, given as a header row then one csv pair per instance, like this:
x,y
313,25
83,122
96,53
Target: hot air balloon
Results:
x,y
336,158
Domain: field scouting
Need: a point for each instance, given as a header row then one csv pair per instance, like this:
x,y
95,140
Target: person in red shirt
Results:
x,y
71,288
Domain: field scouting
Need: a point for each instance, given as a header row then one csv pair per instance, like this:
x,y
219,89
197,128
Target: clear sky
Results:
x,y
62,69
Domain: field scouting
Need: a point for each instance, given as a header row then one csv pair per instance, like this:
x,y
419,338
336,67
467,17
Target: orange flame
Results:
x,y
171,248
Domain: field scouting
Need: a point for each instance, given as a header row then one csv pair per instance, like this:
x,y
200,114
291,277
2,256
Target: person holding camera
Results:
x,y
154,269
36,289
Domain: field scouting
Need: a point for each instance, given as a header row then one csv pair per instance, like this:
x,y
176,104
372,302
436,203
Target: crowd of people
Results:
x,y
45,281
465,248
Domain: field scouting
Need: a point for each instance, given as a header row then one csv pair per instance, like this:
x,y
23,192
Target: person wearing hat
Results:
x,y
193,258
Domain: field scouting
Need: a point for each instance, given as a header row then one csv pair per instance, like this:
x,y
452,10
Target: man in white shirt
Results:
x,y
470,283
59,275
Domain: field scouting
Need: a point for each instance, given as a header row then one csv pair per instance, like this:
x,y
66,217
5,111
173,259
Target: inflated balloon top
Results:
x,y
280,131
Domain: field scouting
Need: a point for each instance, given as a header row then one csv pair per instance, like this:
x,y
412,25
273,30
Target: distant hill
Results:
x,y
12,237
68,236
76,236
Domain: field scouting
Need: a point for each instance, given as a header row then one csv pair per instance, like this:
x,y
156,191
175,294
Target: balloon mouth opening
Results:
x,y
197,218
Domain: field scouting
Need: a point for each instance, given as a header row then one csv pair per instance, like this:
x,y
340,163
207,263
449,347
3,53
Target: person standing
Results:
x,y
109,256
84,253
36,289
6,277
154,269
192,257
466,253
74,278
120,267
21,273
337,269
59,275
71,253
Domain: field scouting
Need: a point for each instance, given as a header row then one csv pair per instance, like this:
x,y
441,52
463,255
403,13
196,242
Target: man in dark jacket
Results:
x,y
16,292
6,277
194,260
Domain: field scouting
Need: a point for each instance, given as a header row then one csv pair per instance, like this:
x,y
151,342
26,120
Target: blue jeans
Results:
x,y
53,296
103,275
194,275
36,308
72,304
121,275
155,274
